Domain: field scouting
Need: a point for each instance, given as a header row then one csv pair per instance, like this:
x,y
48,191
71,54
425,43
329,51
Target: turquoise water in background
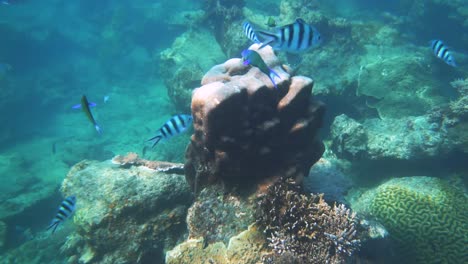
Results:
x,y
60,50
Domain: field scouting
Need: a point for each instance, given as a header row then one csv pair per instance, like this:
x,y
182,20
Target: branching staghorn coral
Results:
x,y
304,228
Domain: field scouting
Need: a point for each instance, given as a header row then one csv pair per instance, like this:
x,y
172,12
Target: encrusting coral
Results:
x,y
304,228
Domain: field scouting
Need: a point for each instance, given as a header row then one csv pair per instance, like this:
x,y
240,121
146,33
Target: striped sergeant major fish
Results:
x,y
66,209
296,37
85,105
250,32
442,52
174,126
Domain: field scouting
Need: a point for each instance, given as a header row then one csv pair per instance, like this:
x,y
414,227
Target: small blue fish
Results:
x,y
296,37
251,57
78,106
85,106
442,52
250,32
66,209
106,98
174,126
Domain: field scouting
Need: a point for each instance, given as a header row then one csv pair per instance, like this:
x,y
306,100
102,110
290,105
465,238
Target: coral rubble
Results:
x,y
246,131
127,215
426,217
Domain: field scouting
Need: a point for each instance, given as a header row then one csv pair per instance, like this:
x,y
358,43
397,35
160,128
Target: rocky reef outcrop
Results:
x,y
125,214
182,66
407,138
247,131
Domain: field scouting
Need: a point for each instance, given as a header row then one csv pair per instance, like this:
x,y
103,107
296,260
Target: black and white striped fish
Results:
x,y
250,32
174,126
442,52
296,37
66,209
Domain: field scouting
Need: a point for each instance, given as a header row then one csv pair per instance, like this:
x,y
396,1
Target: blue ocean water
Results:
x,y
375,66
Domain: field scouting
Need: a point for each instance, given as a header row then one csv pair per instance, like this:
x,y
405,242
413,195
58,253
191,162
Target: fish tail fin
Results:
x,y
54,225
272,77
156,140
98,128
267,38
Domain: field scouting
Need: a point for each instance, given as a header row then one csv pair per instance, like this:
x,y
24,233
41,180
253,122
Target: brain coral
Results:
x,y
427,218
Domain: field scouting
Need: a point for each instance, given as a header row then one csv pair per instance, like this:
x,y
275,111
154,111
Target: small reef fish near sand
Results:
x,y
87,111
296,37
174,126
66,209
251,57
442,52
250,32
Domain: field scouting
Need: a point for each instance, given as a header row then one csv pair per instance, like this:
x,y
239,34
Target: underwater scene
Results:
x,y
234,131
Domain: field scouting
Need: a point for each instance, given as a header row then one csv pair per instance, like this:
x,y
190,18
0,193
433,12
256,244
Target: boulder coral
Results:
x,y
247,131
425,216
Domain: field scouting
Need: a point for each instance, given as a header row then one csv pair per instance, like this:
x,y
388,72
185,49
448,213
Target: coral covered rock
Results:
x,y
243,248
276,224
399,139
129,215
327,177
427,218
246,130
182,65
228,215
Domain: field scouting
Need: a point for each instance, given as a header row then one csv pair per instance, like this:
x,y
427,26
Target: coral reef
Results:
x,y
246,131
132,159
224,16
3,232
304,228
327,177
243,248
459,107
425,216
228,214
406,138
275,224
131,215
182,66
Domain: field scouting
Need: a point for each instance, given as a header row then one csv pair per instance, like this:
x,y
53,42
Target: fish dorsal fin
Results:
x,y
300,21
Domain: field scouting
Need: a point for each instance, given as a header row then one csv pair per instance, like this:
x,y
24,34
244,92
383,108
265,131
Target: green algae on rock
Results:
x,y
425,216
